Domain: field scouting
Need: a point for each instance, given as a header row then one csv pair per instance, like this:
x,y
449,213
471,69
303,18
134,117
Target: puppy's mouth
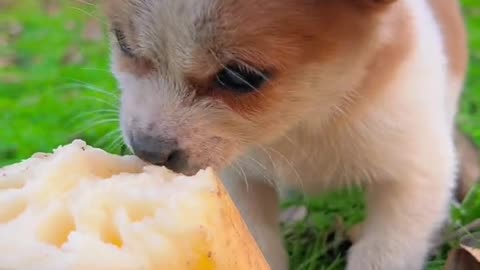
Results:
x,y
186,159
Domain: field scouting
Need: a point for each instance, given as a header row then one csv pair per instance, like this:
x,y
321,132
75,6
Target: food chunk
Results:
x,y
81,208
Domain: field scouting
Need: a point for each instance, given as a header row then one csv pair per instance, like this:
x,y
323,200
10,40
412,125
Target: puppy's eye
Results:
x,y
122,42
240,79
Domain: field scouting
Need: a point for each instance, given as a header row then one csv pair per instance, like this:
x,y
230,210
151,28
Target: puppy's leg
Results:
x,y
404,215
469,156
259,205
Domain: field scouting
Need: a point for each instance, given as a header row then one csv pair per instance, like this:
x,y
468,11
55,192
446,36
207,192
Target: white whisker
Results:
x,y
96,69
269,180
102,101
115,144
85,2
81,84
108,136
90,14
235,164
96,124
102,113
292,167
90,117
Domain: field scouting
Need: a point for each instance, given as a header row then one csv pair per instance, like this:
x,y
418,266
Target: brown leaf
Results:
x,y
467,257
70,25
3,41
15,29
461,259
5,4
93,30
473,251
10,79
73,56
471,244
6,61
51,7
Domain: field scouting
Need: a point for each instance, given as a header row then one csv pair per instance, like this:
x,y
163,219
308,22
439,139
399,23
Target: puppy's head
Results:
x,y
204,80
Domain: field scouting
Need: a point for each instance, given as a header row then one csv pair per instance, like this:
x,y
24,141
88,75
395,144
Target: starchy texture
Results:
x,y
82,208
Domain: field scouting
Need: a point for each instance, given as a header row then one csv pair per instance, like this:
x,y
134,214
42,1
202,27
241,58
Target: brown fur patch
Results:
x,y
292,36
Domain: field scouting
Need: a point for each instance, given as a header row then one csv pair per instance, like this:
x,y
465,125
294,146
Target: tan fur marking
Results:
x,y
316,33
247,105
138,66
385,63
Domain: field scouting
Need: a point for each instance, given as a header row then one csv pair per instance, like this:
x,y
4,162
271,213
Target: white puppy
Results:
x,y
313,94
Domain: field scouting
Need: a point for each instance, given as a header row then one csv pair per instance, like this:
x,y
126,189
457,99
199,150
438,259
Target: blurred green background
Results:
x,y
55,83
55,86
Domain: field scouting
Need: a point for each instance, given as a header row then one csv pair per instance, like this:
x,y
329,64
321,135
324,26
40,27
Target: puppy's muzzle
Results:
x,y
160,151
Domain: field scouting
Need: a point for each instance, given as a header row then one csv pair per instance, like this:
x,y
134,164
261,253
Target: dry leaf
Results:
x,y
5,4
70,25
471,243
10,79
93,30
467,257
73,56
461,259
3,41
51,7
473,251
15,29
6,61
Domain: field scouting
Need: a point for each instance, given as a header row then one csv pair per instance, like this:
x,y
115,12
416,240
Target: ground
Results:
x,y
55,86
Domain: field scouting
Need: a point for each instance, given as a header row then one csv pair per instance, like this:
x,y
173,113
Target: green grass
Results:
x,y
43,94
50,76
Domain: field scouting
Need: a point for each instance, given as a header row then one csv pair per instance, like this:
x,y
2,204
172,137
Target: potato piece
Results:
x,y
81,208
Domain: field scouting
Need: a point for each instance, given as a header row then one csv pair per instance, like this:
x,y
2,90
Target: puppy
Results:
x,y
311,94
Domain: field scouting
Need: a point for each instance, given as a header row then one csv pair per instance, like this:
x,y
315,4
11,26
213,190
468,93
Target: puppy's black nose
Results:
x,y
159,151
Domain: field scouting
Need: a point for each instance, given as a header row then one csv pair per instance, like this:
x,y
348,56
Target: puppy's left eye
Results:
x,y
122,42
240,79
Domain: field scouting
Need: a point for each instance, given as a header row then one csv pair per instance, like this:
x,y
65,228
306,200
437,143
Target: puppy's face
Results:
x,y
204,80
